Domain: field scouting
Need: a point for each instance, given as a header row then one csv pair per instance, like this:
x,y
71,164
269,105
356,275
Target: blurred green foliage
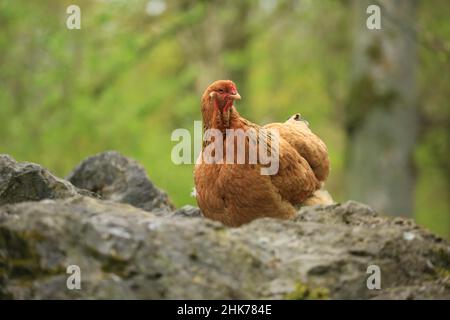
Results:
x,y
128,78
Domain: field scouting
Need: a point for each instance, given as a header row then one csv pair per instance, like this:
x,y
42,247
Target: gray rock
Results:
x,y
188,211
30,182
115,177
125,252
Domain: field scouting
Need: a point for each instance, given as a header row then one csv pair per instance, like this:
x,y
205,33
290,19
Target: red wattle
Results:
x,y
228,105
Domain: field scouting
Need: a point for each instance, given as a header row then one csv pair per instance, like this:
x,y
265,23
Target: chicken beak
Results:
x,y
235,96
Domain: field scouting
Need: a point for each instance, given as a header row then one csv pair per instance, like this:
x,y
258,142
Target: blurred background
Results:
x,y
136,70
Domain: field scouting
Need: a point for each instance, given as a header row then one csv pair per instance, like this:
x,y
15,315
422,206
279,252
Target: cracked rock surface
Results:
x,y
128,251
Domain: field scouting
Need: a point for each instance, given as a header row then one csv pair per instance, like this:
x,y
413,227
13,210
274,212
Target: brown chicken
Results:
x,y
236,193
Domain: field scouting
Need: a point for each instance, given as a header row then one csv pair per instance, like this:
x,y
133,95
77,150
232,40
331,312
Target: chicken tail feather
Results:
x,y
320,196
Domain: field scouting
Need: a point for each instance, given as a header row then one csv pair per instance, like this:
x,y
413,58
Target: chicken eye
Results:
x,y
221,90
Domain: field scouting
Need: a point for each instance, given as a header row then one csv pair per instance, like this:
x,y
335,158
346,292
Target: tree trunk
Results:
x,y
382,116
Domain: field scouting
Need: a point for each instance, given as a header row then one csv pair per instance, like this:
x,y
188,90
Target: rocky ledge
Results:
x,y
129,242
